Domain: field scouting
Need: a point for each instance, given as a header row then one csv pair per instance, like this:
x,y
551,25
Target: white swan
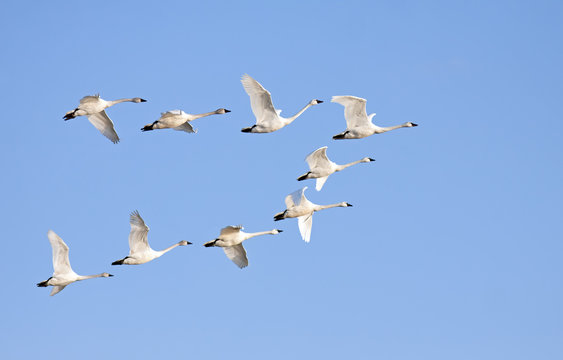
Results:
x,y
268,119
93,107
300,207
321,167
179,120
63,274
358,122
231,239
139,250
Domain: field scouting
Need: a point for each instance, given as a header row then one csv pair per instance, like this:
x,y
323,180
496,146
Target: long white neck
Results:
x,y
86,277
379,129
113,102
162,252
197,116
322,207
289,120
251,235
344,166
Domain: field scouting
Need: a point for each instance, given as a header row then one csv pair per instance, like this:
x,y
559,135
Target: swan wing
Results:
x,y
354,110
170,113
61,264
295,198
104,124
185,127
260,100
305,224
237,254
230,230
138,241
90,99
318,159
320,182
57,289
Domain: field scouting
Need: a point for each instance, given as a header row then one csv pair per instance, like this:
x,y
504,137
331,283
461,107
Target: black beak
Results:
x,y
370,159
413,124
189,243
143,100
110,275
279,230
348,204
320,101
227,110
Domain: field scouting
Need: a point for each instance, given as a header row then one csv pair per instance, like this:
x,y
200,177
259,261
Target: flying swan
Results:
x,y
93,107
63,274
268,119
139,250
358,122
179,120
231,239
298,206
321,167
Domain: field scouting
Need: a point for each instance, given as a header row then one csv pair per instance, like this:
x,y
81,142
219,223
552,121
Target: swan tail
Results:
x,y
70,115
303,177
279,216
248,129
340,136
210,243
44,283
149,127
118,262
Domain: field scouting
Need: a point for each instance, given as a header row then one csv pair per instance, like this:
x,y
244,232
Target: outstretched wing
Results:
x,y
318,159
104,124
230,230
260,100
138,241
320,182
89,99
295,198
354,110
185,127
237,254
57,289
61,264
305,224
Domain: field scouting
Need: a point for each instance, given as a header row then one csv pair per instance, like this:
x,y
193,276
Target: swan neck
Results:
x,y
389,128
251,235
86,277
113,102
289,120
322,207
344,166
197,116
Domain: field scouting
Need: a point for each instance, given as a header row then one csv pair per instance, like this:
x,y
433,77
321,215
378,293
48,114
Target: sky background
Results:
x,y
451,251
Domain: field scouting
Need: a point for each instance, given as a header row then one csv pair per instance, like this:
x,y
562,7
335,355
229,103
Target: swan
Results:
x,y
358,122
300,207
93,107
321,167
63,273
268,119
139,250
179,120
231,239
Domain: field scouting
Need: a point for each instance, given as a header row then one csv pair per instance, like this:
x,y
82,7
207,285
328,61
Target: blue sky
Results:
x,y
451,251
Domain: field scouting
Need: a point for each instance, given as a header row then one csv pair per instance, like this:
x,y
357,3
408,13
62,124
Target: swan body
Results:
x,y
140,251
63,274
94,107
298,206
358,122
231,239
179,120
321,167
268,118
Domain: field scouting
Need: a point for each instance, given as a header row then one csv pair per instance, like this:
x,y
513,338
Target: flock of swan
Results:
x,y
268,119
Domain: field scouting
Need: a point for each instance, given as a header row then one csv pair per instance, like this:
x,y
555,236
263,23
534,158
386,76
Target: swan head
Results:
x,y
276,231
345,204
315,102
138,100
222,111
184,243
410,124
106,275
367,159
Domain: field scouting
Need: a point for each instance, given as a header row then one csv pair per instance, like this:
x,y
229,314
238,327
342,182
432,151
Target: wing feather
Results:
x,y
354,110
104,124
138,241
185,127
237,254
61,264
295,198
318,159
230,230
305,224
260,100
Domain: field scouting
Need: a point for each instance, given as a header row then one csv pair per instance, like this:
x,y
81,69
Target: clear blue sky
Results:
x,y
451,251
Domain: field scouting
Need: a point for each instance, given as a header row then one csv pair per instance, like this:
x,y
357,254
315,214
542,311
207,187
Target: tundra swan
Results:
x,y
179,120
300,207
321,167
231,239
93,107
358,122
63,273
268,119
140,251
